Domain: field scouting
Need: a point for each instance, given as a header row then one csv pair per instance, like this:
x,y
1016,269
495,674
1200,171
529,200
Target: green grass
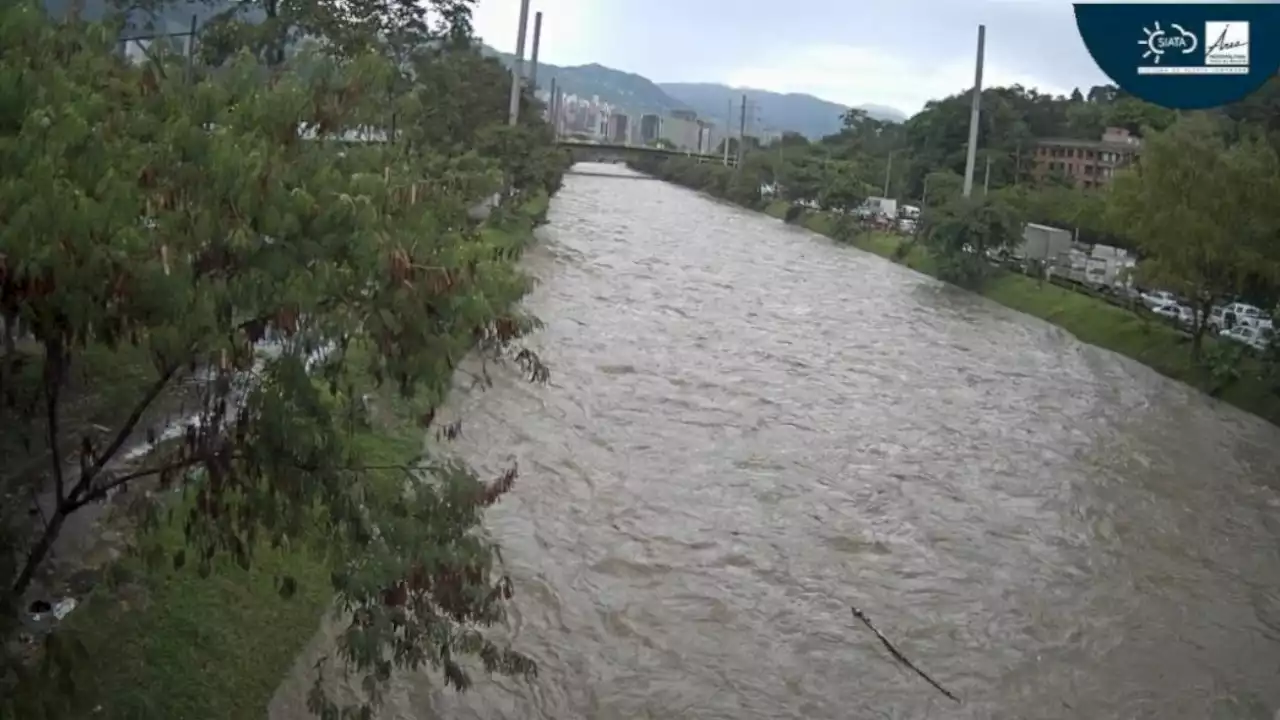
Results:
x,y
1092,320
179,646
170,644
167,644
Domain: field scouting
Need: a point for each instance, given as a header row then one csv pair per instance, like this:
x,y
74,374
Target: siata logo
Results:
x,y
1227,43
1158,42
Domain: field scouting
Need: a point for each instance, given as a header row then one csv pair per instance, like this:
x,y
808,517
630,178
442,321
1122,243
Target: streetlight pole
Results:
x,y
888,172
728,130
533,57
971,157
517,66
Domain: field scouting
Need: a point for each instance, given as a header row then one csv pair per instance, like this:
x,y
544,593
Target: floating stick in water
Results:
x,y
897,654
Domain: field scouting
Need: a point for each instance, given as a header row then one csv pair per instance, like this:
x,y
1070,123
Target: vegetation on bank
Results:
x,y
182,645
183,211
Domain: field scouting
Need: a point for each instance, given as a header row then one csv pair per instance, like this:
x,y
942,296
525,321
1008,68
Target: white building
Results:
x,y
684,134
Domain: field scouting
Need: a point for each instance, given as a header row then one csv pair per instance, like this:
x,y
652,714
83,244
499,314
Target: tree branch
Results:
x,y
897,654
88,474
101,491
54,360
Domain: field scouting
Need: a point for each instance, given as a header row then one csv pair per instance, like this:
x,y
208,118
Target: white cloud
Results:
x,y
566,28
858,76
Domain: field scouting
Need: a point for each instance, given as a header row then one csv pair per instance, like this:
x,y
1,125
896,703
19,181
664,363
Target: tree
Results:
x,y
959,232
1201,211
941,188
194,221
801,178
792,140
841,189
841,192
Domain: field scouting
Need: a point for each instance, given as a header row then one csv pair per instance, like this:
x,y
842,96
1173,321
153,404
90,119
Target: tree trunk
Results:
x,y
1200,311
38,553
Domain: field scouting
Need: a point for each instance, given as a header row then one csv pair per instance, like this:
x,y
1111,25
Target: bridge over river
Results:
x,y
591,153
750,429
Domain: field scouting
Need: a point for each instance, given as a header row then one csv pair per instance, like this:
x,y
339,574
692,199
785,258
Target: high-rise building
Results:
x,y
619,132
684,115
650,128
684,134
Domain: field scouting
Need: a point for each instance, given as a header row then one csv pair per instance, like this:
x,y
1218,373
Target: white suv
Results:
x,y
1158,298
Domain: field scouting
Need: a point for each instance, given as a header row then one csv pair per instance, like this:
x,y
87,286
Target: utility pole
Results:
x,y
888,172
551,111
559,126
972,157
517,66
986,178
728,132
742,130
533,59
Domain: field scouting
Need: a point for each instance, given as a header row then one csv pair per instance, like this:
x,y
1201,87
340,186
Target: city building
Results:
x,y
684,115
769,136
681,132
707,139
650,127
619,130
1087,163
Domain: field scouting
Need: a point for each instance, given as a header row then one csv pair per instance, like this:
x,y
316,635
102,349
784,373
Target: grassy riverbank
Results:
x,y
1092,320
162,642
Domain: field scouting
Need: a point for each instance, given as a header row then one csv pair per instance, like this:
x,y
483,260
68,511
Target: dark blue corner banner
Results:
x,y
1185,57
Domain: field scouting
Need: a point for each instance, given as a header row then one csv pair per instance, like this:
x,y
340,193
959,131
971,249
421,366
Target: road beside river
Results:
x,y
749,429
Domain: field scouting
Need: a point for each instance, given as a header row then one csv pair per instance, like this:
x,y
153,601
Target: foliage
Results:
x,y
942,187
737,185
1204,212
191,220
1222,362
959,233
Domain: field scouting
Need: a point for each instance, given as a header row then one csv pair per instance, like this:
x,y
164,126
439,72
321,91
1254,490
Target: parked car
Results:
x,y
1257,338
1171,311
1157,298
1225,317
1246,314
1186,317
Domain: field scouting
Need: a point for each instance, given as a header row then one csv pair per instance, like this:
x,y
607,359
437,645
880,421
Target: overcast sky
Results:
x,y
899,53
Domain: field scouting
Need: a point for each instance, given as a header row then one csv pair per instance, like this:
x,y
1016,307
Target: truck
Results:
x,y
1043,243
1071,265
874,207
1109,268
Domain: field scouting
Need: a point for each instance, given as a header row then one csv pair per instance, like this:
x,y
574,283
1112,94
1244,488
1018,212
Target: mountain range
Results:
x,y
766,110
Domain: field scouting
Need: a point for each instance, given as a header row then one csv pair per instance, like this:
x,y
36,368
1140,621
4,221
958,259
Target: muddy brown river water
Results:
x,y
749,429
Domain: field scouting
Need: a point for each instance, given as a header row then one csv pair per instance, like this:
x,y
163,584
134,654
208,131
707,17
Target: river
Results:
x,y
749,430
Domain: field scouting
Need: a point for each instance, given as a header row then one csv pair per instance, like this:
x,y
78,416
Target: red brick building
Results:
x,y
1088,163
